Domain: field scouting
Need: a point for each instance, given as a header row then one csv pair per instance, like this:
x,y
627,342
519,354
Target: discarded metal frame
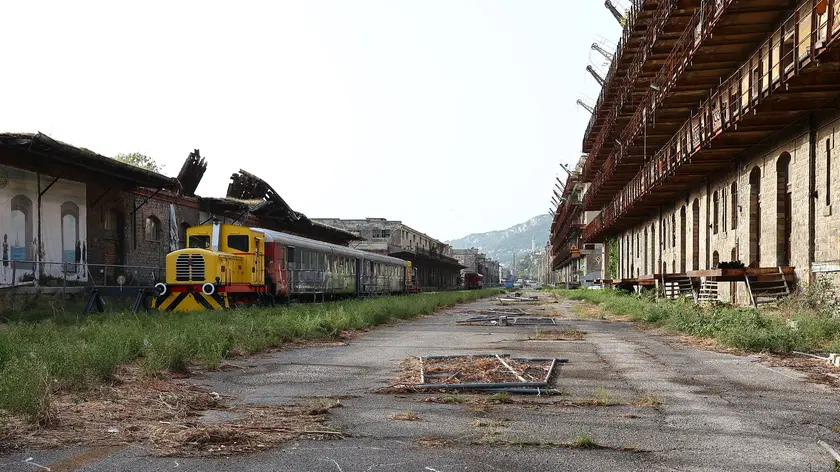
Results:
x,y
508,320
523,386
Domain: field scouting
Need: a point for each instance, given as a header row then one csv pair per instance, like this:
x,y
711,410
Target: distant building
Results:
x,y
477,262
436,268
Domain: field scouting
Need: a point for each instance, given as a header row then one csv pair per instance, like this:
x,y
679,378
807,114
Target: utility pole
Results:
x,y
595,74
586,106
618,16
607,55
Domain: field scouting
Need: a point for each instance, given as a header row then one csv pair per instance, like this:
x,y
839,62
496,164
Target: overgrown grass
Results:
x,y
796,325
72,352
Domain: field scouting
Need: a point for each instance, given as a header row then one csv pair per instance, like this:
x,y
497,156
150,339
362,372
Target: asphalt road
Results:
x,y
718,411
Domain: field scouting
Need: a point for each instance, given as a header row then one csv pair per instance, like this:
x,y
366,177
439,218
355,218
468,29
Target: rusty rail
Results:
x,y
698,30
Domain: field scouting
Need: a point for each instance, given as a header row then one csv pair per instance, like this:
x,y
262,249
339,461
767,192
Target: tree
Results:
x,y
139,160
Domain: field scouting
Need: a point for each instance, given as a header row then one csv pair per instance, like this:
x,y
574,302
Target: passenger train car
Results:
x,y
228,265
473,280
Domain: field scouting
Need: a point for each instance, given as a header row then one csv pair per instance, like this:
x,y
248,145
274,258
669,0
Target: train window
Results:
x,y
199,242
238,242
291,255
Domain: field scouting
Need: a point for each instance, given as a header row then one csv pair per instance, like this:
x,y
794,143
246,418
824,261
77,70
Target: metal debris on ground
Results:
x,y
832,359
508,319
517,299
483,372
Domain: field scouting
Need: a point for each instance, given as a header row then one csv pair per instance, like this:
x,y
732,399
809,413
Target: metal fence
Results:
x,y
38,277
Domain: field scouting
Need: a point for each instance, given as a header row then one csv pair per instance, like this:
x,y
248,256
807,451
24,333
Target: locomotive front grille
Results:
x,y
198,267
189,267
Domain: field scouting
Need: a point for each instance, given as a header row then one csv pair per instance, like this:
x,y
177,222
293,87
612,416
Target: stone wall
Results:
x,y
119,235
764,186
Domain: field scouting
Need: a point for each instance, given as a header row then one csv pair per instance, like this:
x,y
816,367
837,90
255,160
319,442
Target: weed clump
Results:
x,y
584,441
42,355
804,322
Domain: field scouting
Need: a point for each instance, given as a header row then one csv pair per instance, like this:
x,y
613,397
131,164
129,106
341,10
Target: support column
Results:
x,y
812,194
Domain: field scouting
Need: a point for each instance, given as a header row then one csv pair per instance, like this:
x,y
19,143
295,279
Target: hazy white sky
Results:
x,y
450,115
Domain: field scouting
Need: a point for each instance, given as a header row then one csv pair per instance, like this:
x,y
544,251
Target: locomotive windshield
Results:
x,y
199,242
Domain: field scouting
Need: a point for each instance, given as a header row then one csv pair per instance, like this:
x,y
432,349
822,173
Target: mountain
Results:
x,y
500,245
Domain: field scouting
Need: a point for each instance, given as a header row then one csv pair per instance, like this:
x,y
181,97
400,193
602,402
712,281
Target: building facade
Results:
x,y
709,145
436,267
477,262
69,216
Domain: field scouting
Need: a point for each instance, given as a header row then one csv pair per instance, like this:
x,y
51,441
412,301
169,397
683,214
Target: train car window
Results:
x,y
240,242
199,242
291,256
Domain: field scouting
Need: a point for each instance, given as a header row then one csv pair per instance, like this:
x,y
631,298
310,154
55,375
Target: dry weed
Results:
x,y
557,335
165,414
405,416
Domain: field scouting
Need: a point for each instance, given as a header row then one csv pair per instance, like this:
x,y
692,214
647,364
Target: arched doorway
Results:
x,y
21,237
783,210
71,245
755,217
695,234
645,253
682,240
113,244
653,265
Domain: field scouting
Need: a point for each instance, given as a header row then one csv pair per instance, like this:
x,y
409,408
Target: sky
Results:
x,y
449,115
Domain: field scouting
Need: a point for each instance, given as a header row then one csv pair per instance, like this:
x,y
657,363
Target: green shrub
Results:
x,y
812,325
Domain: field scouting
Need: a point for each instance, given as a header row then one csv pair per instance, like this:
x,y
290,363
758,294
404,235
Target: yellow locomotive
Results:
x,y
228,265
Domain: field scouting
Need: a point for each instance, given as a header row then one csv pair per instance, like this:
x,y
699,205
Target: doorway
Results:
x,y
682,240
783,210
695,234
755,217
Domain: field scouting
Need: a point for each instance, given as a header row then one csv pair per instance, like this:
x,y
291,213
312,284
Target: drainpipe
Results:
x,y
812,194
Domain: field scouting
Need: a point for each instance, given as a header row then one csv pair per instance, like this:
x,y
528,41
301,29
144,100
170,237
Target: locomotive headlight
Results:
x,y
161,288
208,289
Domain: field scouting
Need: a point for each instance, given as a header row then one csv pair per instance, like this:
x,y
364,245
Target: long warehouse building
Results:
x,y
708,158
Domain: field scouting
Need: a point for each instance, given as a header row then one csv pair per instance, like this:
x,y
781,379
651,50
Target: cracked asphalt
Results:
x,y
649,401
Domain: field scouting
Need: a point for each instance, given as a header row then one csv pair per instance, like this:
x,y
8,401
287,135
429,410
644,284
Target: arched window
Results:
x,y
71,245
715,260
674,230
733,195
21,235
716,212
153,229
